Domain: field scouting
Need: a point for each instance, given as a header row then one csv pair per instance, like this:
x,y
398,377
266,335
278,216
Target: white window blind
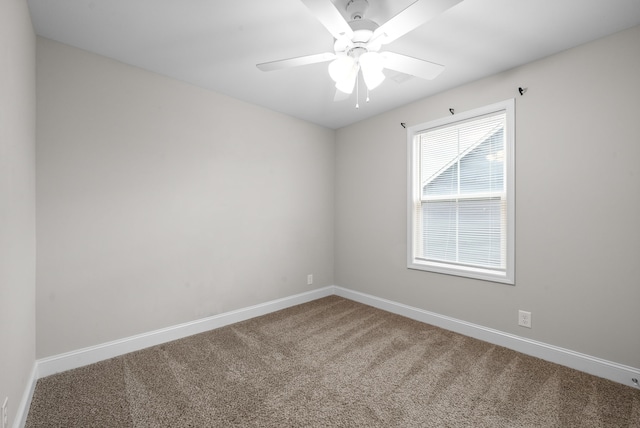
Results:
x,y
461,184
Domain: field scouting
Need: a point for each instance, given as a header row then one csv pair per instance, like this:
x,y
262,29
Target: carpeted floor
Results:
x,y
330,363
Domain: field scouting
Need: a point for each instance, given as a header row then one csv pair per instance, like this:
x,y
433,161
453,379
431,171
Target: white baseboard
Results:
x,y
23,407
82,357
586,363
565,357
93,354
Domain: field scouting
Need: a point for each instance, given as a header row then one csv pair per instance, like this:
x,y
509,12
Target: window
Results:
x,y
461,194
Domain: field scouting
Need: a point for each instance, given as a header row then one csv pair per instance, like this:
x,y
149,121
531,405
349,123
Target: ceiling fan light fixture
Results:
x,y
342,68
372,79
347,84
357,43
371,64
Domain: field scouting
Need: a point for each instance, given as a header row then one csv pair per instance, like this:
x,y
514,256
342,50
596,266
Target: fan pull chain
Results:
x,y
358,90
367,94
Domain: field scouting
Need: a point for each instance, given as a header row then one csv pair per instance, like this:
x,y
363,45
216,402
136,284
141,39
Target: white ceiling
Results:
x,y
216,44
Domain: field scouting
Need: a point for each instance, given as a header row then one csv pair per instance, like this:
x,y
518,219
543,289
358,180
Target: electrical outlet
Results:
x,y
5,414
310,279
524,319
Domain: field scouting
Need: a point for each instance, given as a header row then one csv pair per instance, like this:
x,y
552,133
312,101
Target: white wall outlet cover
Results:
x,y
524,319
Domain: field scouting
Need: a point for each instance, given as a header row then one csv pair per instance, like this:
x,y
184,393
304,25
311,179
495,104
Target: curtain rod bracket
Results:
x,y
522,90
452,111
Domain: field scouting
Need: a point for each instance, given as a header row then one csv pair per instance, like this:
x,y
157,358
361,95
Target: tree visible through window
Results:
x,y
461,204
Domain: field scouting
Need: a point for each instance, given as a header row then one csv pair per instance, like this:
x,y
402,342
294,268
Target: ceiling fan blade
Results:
x,y
413,66
329,16
411,18
296,62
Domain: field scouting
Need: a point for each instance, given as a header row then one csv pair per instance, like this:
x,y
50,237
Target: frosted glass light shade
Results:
x,y
346,85
341,68
371,65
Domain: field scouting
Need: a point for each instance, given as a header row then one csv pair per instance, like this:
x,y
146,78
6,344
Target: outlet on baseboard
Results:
x,y
524,319
310,279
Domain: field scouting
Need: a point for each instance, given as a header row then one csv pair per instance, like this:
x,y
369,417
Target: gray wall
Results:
x,y
160,203
577,203
17,202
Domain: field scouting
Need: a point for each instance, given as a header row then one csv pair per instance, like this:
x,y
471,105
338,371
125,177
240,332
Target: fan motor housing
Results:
x,y
357,8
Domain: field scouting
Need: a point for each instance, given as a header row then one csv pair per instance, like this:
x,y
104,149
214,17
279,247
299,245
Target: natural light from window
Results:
x,y
461,186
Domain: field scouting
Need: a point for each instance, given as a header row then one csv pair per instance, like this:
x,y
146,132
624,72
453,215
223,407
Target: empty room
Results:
x,y
321,213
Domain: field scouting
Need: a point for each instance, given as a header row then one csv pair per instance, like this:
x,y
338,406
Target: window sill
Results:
x,y
463,271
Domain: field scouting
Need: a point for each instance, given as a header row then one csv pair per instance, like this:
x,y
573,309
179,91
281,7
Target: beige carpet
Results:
x,y
330,363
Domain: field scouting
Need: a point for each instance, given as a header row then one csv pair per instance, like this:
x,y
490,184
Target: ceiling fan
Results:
x,y
358,43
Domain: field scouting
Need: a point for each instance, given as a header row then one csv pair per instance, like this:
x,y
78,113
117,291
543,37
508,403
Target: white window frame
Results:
x,y
507,275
